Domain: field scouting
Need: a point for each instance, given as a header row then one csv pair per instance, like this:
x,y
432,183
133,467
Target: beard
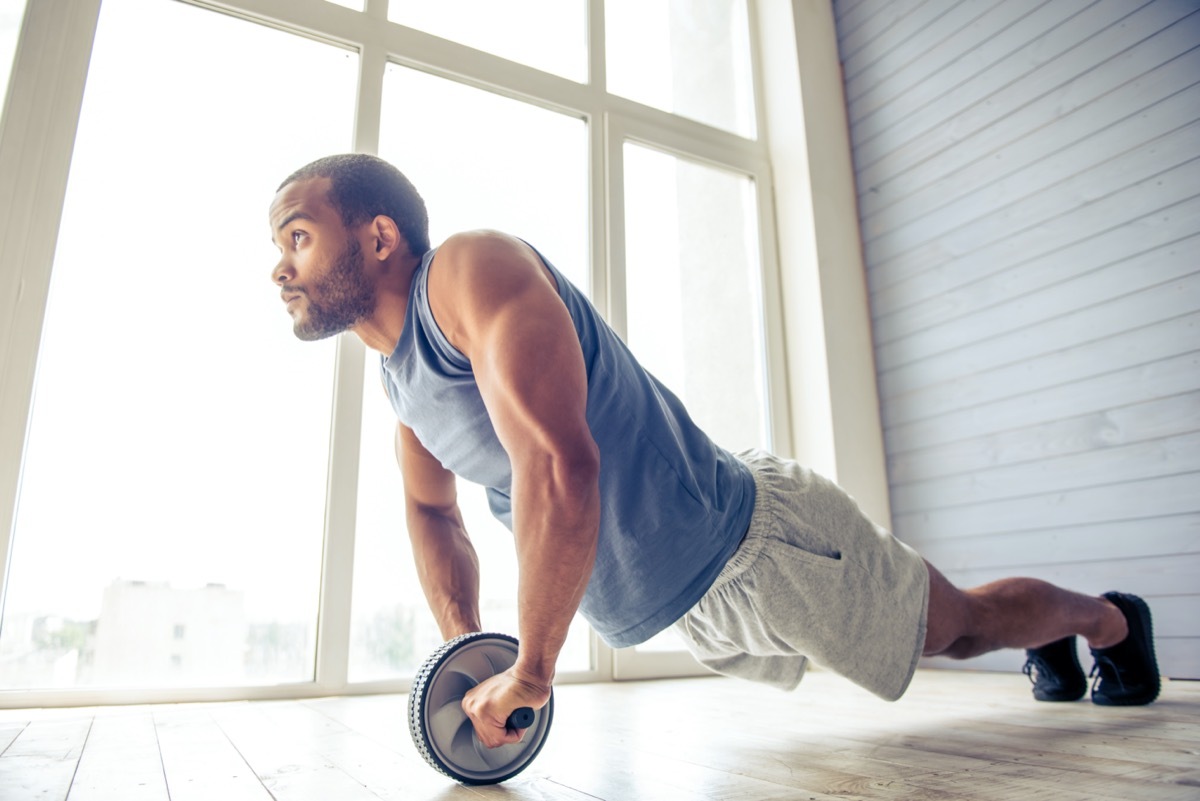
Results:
x,y
345,297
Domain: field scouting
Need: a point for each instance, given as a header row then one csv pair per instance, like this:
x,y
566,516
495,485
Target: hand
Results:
x,y
489,704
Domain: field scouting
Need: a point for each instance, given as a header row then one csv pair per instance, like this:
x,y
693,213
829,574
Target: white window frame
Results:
x,y
811,265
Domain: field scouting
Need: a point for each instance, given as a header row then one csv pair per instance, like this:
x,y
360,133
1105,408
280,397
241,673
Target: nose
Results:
x,y
283,272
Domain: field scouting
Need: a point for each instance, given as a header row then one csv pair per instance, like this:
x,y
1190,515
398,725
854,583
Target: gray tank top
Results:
x,y
674,506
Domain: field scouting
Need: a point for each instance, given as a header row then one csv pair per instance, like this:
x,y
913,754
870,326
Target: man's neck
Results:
x,y
381,331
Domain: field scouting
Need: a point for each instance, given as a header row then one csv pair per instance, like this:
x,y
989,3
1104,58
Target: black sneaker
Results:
x,y
1127,672
1055,672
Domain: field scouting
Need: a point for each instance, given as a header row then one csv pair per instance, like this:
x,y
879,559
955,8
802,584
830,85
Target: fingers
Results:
x,y
490,704
490,727
493,732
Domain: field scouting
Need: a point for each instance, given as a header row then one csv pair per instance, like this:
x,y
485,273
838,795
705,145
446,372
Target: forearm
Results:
x,y
448,569
556,523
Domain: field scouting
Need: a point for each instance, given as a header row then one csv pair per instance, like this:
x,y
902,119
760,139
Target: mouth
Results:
x,y
290,297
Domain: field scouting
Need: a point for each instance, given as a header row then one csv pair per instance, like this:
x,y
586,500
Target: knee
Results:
x,y
957,641
960,648
950,623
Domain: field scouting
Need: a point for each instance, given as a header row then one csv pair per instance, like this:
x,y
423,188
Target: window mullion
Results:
x,y
377,10
598,159
614,178
775,363
341,507
372,64
337,567
599,216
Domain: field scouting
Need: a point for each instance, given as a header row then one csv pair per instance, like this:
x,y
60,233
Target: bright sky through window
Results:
x,y
179,431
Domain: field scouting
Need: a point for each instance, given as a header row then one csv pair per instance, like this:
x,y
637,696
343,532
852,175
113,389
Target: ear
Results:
x,y
385,238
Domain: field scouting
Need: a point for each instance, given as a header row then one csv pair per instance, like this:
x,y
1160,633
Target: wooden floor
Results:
x,y
955,735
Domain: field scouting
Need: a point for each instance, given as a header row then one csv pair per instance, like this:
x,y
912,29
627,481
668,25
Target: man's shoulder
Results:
x,y
479,243
482,261
480,278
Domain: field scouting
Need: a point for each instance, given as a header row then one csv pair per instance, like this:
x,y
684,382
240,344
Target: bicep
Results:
x,y
524,352
531,375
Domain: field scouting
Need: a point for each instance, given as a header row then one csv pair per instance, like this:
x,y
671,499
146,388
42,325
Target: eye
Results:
x,y
297,237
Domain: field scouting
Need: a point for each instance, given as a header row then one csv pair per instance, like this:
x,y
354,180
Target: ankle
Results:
x,y
1111,627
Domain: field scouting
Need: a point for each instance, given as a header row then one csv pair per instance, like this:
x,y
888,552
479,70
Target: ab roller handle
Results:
x,y
521,718
441,730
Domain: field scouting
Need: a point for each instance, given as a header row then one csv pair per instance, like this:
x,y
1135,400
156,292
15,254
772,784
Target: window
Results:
x,y
692,290
174,472
482,160
204,492
690,58
549,35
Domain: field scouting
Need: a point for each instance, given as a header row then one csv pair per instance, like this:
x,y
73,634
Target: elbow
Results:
x,y
571,477
421,515
581,467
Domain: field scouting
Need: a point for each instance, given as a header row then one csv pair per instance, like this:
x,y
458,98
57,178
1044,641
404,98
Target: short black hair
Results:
x,y
363,187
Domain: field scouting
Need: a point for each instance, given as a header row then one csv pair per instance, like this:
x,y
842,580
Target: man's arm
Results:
x,y
497,304
446,562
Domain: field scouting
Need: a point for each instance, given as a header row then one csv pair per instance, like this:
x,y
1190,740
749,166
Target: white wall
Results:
x,y
1029,194
831,376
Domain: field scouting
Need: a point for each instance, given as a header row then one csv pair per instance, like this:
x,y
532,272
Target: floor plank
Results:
x,y
41,761
121,761
388,769
199,761
9,732
288,766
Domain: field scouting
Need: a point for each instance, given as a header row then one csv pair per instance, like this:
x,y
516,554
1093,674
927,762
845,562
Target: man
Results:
x,y
501,372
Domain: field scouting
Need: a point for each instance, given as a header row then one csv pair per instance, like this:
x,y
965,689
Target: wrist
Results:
x,y
538,672
459,626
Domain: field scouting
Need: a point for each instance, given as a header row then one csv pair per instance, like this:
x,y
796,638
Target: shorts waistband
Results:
x,y
761,518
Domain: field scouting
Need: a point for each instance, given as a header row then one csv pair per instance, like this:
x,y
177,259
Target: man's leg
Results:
x,y
1014,613
1044,619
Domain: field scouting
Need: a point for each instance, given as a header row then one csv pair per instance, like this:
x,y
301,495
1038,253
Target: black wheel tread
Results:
x,y
417,697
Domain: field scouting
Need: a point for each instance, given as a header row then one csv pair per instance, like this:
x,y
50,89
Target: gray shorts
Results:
x,y
813,579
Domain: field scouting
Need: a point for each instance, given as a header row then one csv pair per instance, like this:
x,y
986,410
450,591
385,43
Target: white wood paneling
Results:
x,y
927,49
1169,416
1031,364
1112,542
1095,51
1001,45
1061,291
1143,460
1162,102
990,244
1140,384
1029,193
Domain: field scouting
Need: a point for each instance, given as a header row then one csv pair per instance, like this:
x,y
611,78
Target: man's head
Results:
x,y
363,187
338,222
